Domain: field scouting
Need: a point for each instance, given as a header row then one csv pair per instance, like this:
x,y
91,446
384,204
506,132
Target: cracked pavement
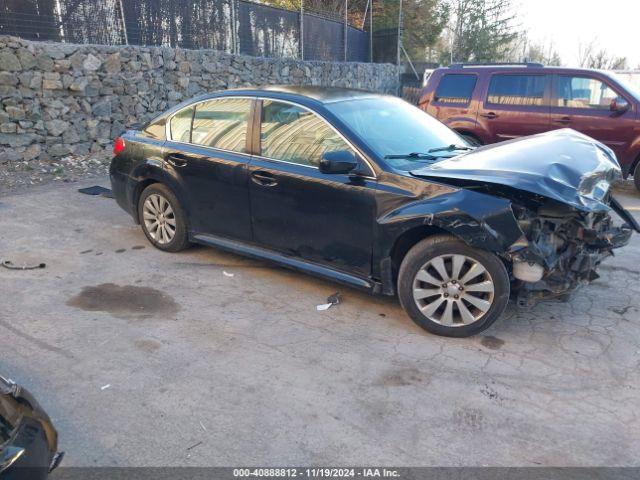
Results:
x,y
247,366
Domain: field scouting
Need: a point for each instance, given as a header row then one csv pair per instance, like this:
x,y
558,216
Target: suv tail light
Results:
x,y
119,145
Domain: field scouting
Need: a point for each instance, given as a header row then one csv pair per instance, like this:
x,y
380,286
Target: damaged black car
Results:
x,y
372,192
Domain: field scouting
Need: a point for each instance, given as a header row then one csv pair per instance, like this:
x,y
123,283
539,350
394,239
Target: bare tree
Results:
x,y
544,53
591,57
603,60
585,52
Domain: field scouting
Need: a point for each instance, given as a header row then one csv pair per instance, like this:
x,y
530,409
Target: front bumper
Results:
x,y
570,254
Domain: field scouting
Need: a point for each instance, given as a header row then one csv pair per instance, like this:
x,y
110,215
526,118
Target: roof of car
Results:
x,y
524,67
319,94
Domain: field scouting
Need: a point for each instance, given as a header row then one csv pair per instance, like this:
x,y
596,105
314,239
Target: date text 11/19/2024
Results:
x,y
317,472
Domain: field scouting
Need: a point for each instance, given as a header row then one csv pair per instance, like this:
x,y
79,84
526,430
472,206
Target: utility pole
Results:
x,y
371,33
301,29
346,26
399,32
124,24
234,30
364,22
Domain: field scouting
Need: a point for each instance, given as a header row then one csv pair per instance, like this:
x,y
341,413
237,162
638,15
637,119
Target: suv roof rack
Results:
x,y
496,64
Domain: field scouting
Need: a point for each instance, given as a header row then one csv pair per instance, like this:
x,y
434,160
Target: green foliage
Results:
x,y
424,21
483,30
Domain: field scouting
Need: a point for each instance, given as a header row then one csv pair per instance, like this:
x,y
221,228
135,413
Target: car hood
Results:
x,y
563,165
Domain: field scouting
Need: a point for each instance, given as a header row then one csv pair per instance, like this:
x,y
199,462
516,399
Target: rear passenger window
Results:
x,y
181,125
156,129
526,90
222,123
455,89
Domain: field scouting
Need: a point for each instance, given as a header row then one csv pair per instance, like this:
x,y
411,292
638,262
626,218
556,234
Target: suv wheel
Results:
x,y
636,176
471,140
162,219
451,289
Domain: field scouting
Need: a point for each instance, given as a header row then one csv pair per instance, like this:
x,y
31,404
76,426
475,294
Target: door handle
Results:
x,y
562,120
176,161
263,179
490,115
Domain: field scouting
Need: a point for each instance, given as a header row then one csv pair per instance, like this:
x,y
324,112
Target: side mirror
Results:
x,y
339,161
619,105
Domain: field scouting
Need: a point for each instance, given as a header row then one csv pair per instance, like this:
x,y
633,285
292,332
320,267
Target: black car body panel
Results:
x,y
28,439
356,227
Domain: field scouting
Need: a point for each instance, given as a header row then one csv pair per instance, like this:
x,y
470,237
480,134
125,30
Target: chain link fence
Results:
x,y
233,26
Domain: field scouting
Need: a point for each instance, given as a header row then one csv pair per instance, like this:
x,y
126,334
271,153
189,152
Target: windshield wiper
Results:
x,y
450,148
413,155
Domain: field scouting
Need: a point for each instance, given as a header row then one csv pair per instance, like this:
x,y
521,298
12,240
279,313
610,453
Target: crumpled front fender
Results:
x,y
481,221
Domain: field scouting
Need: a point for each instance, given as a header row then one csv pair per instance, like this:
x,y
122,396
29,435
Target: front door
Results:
x,y
515,105
583,103
208,157
296,209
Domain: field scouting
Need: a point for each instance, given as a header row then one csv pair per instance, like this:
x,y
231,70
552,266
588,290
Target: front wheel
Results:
x,y
451,289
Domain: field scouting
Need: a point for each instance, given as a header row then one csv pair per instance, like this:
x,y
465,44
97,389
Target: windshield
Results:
x,y
392,127
626,84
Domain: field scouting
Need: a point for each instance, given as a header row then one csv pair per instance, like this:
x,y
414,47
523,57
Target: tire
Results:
x,y
636,176
167,237
479,299
471,140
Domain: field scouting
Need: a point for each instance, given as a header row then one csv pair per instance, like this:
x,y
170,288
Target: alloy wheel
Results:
x,y
453,290
159,218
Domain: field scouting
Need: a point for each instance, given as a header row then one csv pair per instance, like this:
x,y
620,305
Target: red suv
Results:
x,y
491,103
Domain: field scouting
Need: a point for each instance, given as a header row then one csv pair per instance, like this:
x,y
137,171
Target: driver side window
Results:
x,y
584,92
292,134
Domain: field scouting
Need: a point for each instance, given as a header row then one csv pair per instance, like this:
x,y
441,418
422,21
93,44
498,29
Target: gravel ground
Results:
x,y
16,176
145,358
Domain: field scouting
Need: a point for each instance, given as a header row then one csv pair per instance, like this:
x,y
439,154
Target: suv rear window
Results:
x,y
527,90
455,88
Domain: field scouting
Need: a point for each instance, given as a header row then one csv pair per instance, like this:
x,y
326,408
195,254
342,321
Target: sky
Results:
x,y
567,23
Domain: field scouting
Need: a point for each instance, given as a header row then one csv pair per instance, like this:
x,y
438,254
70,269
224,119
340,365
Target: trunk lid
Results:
x,y
562,165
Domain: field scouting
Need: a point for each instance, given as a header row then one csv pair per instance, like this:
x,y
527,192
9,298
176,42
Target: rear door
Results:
x,y
583,102
515,105
300,211
208,155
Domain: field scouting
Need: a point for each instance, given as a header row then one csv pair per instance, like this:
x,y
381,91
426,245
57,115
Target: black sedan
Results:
x,y
372,192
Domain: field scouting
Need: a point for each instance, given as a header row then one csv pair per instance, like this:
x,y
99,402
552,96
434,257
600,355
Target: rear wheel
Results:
x,y
451,289
636,176
162,218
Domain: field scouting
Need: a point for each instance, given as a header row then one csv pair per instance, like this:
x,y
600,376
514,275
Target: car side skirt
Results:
x,y
298,264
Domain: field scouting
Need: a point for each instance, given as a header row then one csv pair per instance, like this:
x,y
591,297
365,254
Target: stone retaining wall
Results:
x,y
61,99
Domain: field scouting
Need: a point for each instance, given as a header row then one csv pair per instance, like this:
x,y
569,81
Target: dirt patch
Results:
x,y
402,378
127,301
148,346
492,343
469,419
